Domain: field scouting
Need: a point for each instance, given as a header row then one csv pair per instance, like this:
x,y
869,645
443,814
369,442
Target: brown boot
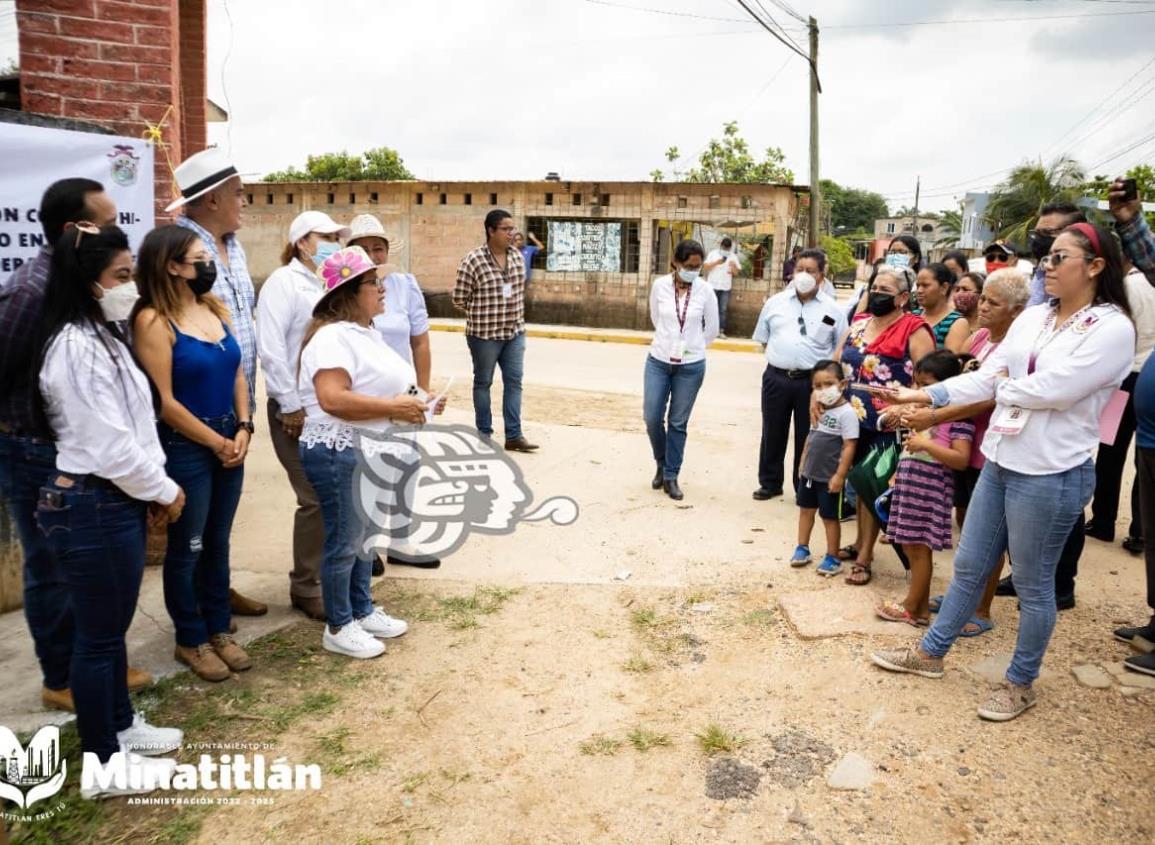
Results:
x,y
232,654
57,699
203,661
243,606
311,606
138,679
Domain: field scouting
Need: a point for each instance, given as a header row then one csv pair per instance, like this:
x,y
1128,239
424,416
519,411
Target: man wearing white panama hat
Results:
x,y
212,199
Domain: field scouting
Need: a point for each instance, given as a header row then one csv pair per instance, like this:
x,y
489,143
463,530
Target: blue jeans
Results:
x,y
196,564
26,465
1030,516
675,386
487,355
723,307
345,571
98,535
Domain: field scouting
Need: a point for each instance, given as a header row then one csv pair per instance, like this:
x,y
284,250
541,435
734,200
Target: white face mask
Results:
x,y
828,395
688,276
804,283
117,303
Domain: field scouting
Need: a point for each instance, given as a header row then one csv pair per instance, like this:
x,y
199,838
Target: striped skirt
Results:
x,y
920,509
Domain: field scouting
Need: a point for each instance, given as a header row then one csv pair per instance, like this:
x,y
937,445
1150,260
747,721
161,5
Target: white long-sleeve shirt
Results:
x,y
284,310
1076,372
701,321
102,415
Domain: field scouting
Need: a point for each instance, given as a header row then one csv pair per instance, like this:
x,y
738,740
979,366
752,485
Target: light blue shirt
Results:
x,y
779,329
1037,286
405,315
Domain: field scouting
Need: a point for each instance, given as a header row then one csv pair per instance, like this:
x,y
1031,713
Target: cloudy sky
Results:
x,y
598,89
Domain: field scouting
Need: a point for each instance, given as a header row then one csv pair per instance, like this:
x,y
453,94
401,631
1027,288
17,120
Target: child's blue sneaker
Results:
x,y
829,567
801,556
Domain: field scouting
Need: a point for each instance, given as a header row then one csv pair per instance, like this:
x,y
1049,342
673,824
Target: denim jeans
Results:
x,y
98,535
723,307
345,570
1030,516
196,564
26,465
675,385
487,355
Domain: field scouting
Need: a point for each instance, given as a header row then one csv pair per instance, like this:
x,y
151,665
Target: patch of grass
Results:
x,y
410,784
459,613
697,597
602,635
644,618
598,744
643,740
715,739
763,618
638,665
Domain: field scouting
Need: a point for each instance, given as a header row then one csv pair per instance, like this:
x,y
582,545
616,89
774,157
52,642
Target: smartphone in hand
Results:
x,y
1130,190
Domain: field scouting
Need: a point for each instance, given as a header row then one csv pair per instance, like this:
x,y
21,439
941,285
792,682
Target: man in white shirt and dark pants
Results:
x,y
720,268
797,328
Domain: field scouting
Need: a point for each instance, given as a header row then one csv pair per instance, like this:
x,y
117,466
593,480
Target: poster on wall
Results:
x,y
578,246
33,157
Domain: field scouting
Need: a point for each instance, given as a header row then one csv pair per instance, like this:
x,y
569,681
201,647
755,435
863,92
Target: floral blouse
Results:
x,y
871,369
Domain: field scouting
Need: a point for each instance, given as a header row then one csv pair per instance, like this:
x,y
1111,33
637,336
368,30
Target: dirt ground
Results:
x,y
707,697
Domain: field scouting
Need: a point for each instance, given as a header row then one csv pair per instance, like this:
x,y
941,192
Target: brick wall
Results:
x,y
120,64
428,239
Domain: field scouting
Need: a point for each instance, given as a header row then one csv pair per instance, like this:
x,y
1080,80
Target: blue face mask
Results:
x,y
898,259
688,276
324,250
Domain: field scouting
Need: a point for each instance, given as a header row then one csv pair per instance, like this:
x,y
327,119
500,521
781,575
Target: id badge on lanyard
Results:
x,y
681,314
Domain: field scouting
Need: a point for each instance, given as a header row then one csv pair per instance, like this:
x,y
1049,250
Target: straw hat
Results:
x,y
368,226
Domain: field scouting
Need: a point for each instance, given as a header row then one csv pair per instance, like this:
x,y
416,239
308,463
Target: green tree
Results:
x,y
728,159
380,164
1014,206
950,225
839,256
851,209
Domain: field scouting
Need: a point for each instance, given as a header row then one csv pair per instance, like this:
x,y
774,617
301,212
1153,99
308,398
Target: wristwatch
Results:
x,y
247,425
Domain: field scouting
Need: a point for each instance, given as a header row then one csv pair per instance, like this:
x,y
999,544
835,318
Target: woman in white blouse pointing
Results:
x,y
110,472
684,312
1051,378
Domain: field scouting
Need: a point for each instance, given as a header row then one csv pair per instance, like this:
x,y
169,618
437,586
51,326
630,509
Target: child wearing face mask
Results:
x,y
920,506
826,459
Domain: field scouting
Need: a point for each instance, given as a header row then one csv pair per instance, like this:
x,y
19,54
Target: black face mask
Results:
x,y
206,275
1040,245
881,304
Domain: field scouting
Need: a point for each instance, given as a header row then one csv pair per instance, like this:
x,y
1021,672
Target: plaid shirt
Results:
x,y
480,293
235,288
1139,244
21,309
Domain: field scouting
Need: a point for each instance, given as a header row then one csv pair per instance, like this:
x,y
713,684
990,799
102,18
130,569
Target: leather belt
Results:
x,y
792,374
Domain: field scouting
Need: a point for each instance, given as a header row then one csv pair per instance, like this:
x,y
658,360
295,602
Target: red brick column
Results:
x,y
121,65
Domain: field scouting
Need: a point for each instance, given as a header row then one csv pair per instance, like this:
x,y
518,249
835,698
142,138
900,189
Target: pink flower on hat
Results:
x,y
344,265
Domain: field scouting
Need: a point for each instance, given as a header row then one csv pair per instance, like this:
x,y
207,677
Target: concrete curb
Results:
x,y
602,337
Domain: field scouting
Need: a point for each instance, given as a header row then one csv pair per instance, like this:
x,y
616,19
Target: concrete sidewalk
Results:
x,y
729,344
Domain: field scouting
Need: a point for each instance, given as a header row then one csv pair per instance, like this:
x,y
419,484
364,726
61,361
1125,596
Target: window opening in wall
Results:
x,y
250,199
443,199
372,196
469,199
493,199
268,199
352,199
577,199
331,199
420,198
683,202
715,201
288,199
604,200
549,199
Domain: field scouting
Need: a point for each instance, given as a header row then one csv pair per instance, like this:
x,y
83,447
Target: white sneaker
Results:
x,y
152,771
142,738
381,624
352,641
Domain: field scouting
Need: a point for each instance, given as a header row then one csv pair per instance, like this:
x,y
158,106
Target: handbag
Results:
x,y
871,476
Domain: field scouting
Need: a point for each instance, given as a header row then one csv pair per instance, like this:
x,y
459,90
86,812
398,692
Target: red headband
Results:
x,y
1093,236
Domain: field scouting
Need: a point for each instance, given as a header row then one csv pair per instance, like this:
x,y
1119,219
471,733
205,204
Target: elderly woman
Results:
x,y
350,381
1051,378
284,310
879,351
684,312
1004,297
934,286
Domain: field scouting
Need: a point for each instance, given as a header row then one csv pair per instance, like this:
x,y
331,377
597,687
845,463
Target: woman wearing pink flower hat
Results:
x,y
350,382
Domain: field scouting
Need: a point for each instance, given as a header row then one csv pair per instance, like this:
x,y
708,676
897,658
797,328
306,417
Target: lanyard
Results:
x,y
682,313
1050,335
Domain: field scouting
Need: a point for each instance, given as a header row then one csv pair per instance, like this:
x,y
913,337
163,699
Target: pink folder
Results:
x,y
1112,416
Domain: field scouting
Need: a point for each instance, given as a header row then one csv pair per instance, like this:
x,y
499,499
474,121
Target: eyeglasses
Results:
x,y
377,283
84,227
898,252
1054,259
1044,233
506,228
802,327
995,256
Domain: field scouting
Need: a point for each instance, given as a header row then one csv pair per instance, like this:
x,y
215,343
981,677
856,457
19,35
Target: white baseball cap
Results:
x,y
315,221
200,173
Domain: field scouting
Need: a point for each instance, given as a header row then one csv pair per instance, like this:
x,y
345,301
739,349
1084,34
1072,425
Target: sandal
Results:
x,y
848,553
983,626
935,603
859,575
893,611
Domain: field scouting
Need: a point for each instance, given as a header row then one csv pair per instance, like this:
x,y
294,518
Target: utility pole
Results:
x,y
917,186
815,189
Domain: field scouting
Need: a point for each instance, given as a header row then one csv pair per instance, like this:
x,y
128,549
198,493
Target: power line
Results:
x,y
778,37
1141,142
1100,105
665,12
784,32
1122,109
892,24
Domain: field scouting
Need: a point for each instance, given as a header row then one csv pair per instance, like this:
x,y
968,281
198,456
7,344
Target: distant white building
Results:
x,y
976,234
928,234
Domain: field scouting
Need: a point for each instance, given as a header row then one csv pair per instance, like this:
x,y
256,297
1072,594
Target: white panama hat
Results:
x,y
200,173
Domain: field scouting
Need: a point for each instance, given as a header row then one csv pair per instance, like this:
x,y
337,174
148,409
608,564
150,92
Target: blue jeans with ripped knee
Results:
x,y
196,564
